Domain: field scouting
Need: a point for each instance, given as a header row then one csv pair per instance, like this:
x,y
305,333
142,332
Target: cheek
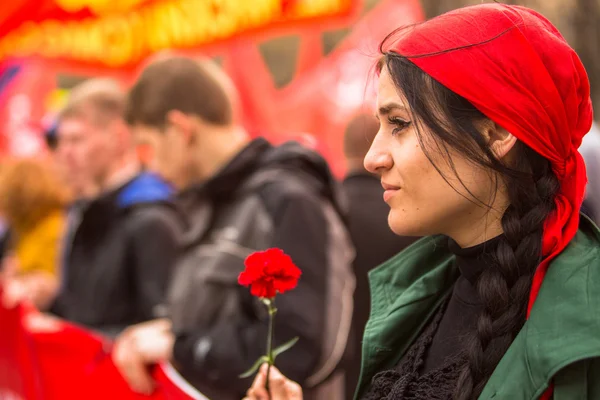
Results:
x,y
426,201
161,159
414,170
82,154
168,157
419,179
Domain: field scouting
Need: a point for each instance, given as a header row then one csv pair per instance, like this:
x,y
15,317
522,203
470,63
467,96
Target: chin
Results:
x,y
403,226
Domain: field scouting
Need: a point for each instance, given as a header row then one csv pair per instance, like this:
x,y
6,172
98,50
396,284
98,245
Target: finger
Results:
x,y
258,394
139,377
294,390
258,391
282,388
164,324
119,356
261,377
42,323
131,368
277,385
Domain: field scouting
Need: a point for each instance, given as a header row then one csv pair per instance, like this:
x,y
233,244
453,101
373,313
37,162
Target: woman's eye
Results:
x,y
398,124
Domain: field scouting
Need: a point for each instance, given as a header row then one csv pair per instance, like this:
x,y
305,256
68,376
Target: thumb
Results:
x,y
282,388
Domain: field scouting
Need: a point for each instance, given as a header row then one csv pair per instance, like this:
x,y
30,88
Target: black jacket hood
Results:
x,y
293,156
261,155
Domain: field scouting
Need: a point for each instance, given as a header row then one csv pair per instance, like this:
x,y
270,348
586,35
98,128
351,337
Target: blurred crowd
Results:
x,y
148,253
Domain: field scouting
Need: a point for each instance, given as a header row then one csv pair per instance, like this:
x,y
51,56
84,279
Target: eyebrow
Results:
x,y
386,109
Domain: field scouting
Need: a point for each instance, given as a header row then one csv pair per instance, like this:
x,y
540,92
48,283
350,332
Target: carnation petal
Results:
x,y
261,288
245,278
258,289
283,284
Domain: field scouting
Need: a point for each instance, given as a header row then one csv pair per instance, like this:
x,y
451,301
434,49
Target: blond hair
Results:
x,y
101,100
29,192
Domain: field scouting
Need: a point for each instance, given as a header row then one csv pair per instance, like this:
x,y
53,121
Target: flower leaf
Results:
x,y
255,367
284,347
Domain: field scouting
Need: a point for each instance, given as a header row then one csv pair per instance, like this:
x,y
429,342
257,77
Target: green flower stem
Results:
x,y
272,312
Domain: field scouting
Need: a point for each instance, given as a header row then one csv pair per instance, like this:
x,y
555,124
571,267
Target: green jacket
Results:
x,y
559,342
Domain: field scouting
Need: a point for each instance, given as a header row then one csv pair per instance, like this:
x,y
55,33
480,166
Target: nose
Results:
x,y
378,158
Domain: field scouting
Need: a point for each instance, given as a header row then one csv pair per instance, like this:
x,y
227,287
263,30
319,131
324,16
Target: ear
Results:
x,y
500,140
183,123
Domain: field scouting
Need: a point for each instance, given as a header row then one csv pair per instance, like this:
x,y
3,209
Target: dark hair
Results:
x,y
51,138
531,187
177,83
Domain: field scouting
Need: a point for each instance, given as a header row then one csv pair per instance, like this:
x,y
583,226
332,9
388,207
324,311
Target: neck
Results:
x,y
483,229
222,145
122,171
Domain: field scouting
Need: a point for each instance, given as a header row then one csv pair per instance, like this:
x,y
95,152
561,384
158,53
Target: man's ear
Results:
x,y
183,123
500,141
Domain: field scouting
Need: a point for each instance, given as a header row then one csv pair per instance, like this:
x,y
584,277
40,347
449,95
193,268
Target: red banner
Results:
x,y
23,91
69,363
119,34
323,99
314,108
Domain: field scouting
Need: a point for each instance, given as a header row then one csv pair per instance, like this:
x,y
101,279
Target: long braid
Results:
x,y
504,287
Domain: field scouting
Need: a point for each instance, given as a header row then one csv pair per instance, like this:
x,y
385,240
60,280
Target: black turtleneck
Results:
x,y
431,366
460,317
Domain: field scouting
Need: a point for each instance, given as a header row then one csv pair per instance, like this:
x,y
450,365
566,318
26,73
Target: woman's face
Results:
x,y
421,201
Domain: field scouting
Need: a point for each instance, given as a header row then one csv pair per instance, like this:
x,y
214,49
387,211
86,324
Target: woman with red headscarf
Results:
x,y
482,111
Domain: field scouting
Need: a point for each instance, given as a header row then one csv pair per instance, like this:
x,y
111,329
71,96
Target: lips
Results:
x,y
389,187
390,191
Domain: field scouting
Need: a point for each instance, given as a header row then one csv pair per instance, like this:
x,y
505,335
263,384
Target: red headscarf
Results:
x,y
515,67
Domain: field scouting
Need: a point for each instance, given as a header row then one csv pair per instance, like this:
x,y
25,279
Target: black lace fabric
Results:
x,y
406,382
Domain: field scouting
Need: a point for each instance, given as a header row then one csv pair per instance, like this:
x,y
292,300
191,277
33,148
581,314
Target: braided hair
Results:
x,y
530,186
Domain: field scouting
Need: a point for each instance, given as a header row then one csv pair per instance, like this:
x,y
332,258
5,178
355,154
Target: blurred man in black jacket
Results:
x,y
372,237
122,239
239,195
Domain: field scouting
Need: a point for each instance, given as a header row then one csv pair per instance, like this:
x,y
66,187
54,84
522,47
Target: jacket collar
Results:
x,y
407,289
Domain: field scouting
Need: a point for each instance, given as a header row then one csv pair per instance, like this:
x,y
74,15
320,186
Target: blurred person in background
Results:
x,y
240,195
51,135
33,203
78,195
4,239
51,139
367,220
590,150
124,236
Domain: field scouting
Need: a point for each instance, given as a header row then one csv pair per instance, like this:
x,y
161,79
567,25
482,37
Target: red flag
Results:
x,y
70,363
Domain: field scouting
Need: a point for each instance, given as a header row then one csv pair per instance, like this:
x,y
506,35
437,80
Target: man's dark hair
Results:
x,y
51,137
182,84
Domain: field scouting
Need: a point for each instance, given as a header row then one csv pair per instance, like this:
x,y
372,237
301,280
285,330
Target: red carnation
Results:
x,y
269,272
